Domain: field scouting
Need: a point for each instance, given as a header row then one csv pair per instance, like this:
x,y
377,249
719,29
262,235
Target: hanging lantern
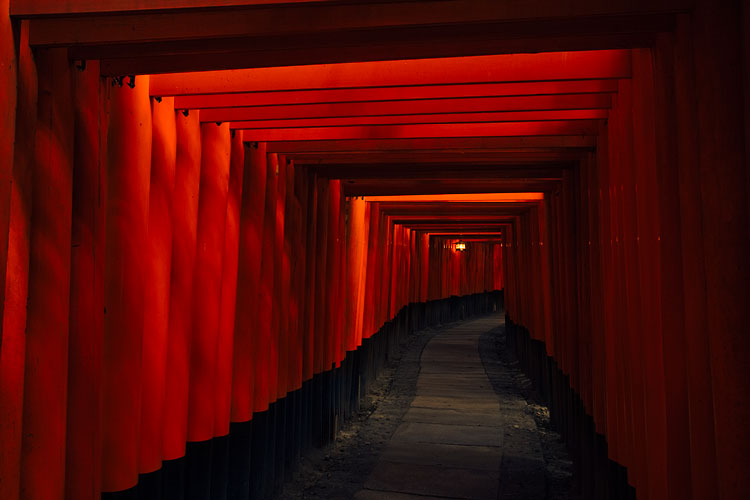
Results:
x,y
460,246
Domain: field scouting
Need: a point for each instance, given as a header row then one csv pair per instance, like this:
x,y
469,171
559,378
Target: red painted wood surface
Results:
x,y
233,269
265,349
496,68
12,337
207,275
184,234
158,269
128,178
83,436
46,371
229,278
245,350
9,90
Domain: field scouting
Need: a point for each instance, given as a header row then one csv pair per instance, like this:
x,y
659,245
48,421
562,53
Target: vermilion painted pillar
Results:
x,y
264,349
413,268
9,91
704,482
673,305
386,269
308,359
207,274
330,293
321,248
597,319
280,325
299,275
184,231
206,297
231,459
128,174
13,334
497,269
248,281
158,267
393,273
333,267
342,334
277,331
294,249
725,198
46,366
83,450
649,251
424,255
371,294
606,244
356,265
227,311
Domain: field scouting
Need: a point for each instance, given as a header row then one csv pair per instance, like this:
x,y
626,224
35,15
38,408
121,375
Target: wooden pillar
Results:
x,y
9,91
248,281
264,349
311,223
184,231
84,419
227,311
332,306
158,268
294,247
370,291
321,243
700,393
128,173
46,366
724,197
279,328
673,305
13,333
299,273
356,268
212,209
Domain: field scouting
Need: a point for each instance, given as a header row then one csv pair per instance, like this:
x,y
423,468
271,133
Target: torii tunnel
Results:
x,y
218,217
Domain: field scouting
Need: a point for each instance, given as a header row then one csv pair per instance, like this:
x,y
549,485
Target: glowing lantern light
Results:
x,y
460,246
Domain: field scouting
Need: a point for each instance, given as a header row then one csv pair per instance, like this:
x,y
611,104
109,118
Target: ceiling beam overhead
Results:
x,y
552,66
401,108
379,94
505,129
428,143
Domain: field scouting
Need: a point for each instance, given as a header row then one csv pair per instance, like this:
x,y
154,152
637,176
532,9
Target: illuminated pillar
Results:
x,y
184,237
156,292
13,345
46,366
128,173
83,461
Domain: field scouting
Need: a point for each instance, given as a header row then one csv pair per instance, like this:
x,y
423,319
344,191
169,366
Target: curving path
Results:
x,y
453,440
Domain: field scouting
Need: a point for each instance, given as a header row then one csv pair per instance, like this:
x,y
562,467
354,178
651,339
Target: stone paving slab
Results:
x,y
469,385
451,442
489,418
456,368
420,432
454,403
443,455
454,392
437,481
392,495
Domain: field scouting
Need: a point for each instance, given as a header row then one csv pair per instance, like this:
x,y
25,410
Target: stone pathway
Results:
x,y
450,443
